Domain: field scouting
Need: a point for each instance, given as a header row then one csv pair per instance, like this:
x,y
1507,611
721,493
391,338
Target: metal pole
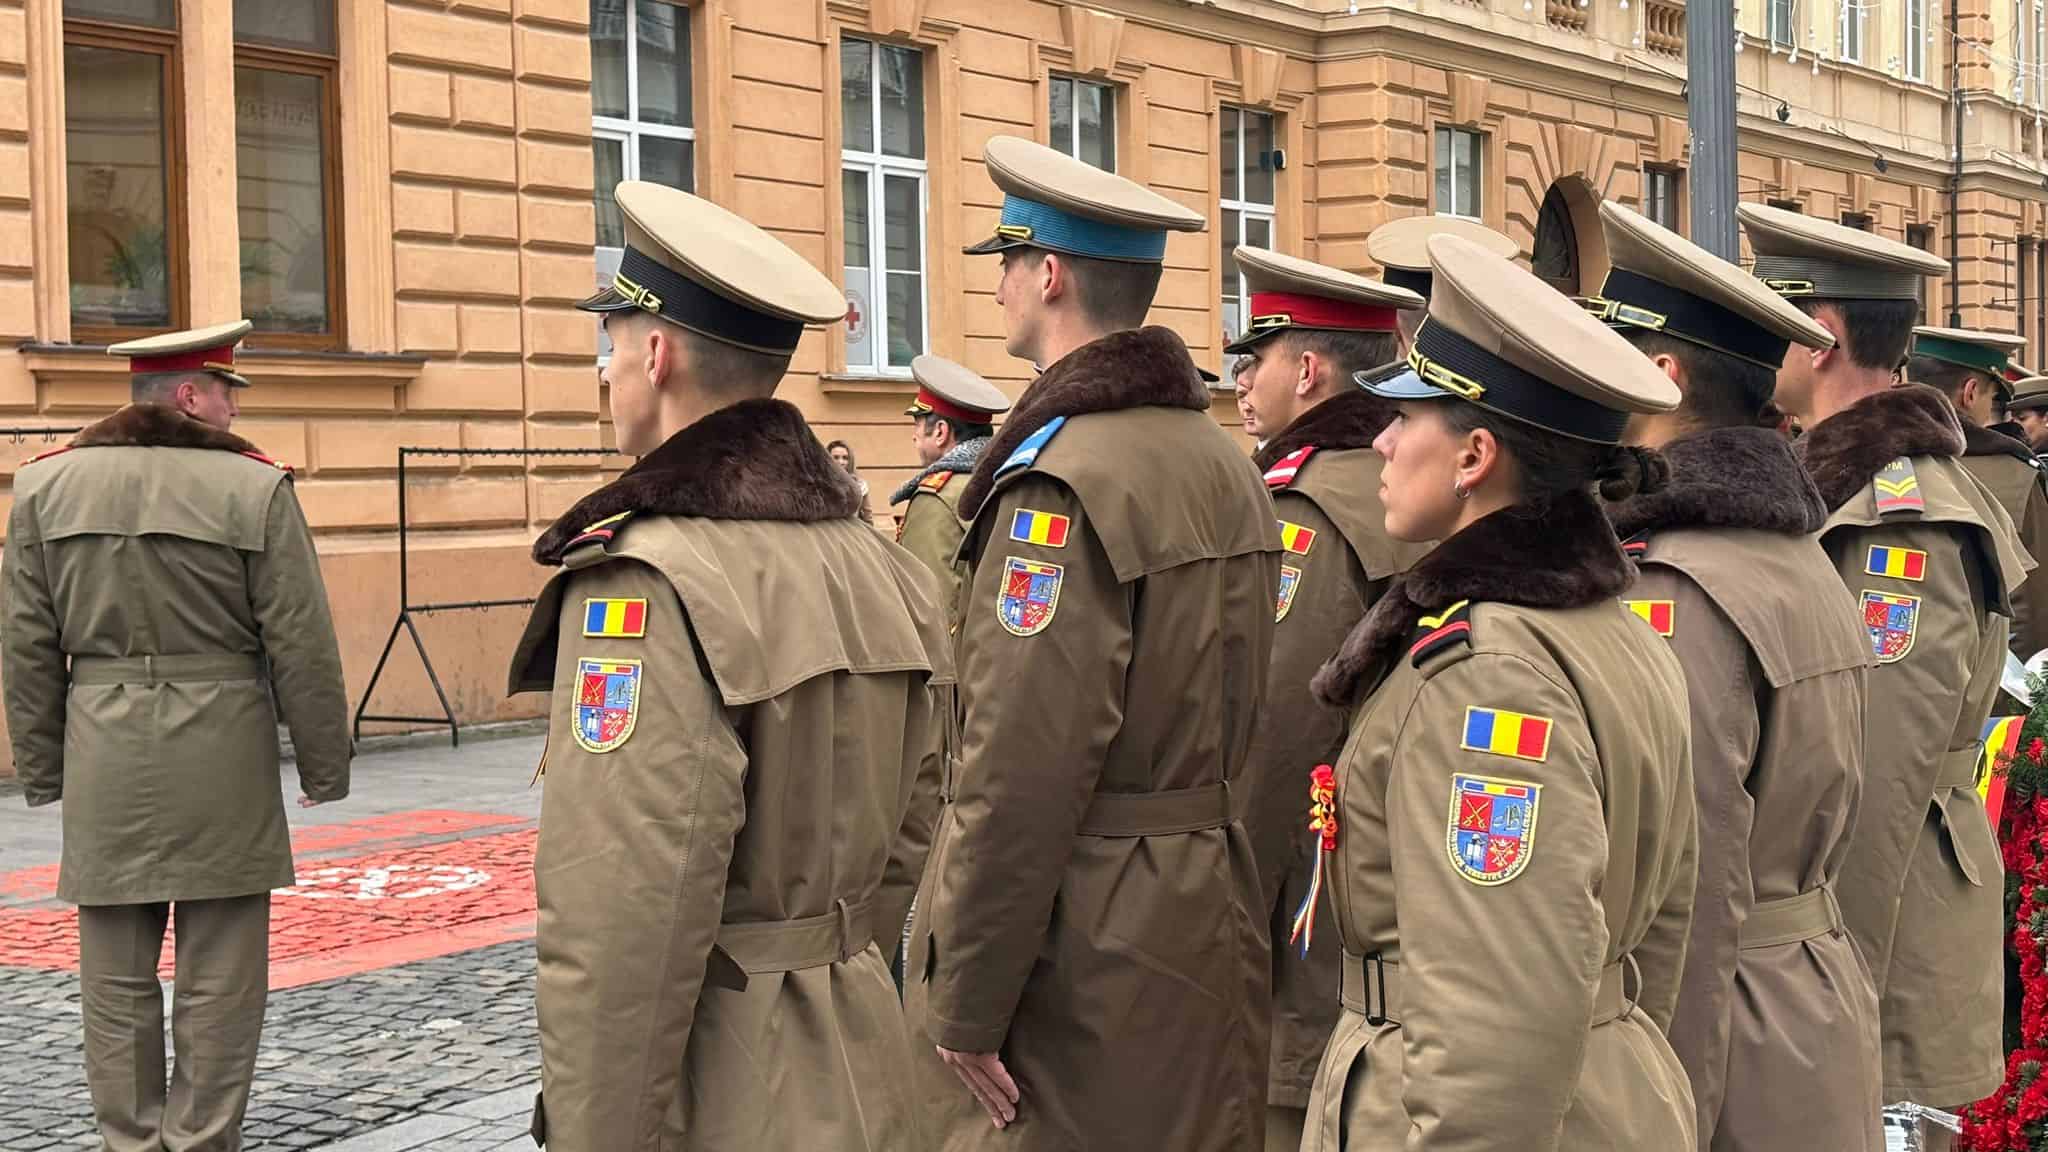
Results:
x,y
404,582
1955,180
1710,107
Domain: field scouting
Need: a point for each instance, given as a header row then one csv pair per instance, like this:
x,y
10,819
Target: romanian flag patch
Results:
x,y
1656,612
1897,563
1047,528
1503,733
615,618
1296,538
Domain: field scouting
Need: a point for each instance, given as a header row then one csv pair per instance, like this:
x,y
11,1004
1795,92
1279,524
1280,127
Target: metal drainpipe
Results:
x,y
1955,180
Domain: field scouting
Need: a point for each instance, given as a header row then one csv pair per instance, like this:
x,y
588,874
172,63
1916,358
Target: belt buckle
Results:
x,y
1376,980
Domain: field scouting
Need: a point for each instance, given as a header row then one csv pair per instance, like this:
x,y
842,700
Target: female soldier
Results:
x,y
1509,832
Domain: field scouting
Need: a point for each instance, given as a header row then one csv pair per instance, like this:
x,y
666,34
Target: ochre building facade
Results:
x,y
406,196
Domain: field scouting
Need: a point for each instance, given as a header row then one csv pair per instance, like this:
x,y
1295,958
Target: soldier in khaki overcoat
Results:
x,y
742,676
951,418
1401,249
1970,368
1311,328
1931,561
1777,1015
1509,832
1088,963
163,607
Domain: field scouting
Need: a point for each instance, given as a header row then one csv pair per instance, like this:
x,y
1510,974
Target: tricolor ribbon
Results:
x,y
1322,820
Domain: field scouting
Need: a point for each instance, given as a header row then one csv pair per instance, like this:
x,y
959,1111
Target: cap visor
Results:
x,y
1207,376
993,245
235,380
1397,382
606,299
1248,341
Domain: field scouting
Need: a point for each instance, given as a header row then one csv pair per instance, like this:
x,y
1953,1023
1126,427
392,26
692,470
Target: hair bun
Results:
x,y
1631,471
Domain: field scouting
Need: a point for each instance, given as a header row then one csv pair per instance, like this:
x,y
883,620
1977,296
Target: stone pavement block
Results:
x,y
500,1105
414,1133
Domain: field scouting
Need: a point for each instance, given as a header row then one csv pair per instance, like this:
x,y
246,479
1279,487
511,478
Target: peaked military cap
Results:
x,y
1986,352
953,391
1803,256
2029,394
1661,282
1401,247
208,349
1055,202
1502,339
1289,293
700,267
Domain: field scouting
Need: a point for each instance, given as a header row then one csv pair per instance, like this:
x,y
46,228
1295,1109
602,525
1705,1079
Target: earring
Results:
x,y
1459,490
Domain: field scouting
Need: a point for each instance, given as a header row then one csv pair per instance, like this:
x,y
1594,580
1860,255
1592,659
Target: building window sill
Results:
x,y
260,365
866,384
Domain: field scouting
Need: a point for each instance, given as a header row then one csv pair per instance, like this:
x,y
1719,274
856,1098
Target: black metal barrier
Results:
x,y
25,432
407,609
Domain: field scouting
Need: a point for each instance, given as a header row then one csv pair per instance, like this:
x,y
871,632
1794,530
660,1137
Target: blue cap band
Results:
x,y
1054,229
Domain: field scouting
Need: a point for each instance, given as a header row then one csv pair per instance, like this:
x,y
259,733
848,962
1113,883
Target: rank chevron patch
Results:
x,y
1897,489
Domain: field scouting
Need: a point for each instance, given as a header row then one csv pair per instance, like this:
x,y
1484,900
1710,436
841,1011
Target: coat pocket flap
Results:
x,y
1969,832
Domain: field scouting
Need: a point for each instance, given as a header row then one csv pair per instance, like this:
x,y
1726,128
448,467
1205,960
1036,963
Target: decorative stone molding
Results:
x,y
1791,178
1470,97
1094,38
895,17
1258,74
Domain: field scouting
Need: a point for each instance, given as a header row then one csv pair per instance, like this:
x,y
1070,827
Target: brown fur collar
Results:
x,y
158,426
754,460
1845,450
1146,366
1561,556
1727,478
1350,419
1994,442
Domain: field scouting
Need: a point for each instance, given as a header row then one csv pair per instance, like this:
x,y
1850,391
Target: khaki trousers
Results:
x,y
223,980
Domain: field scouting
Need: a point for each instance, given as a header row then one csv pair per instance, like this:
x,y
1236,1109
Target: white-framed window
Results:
x,y
1660,196
882,183
1250,193
1458,164
1916,40
641,120
1778,22
1850,33
1084,121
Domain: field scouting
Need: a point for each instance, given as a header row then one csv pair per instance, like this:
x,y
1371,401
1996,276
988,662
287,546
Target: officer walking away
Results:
x,y
1509,833
1088,959
951,425
163,606
741,675
2028,408
1777,1017
1312,327
1970,368
1401,249
1931,562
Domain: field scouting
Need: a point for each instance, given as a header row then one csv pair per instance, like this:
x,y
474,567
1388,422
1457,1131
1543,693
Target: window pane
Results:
x,y
857,95
664,37
1258,231
148,13
1229,234
281,176
114,171
609,161
1098,126
1229,151
1465,165
307,25
608,58
906,318
853,190
1258,158
1444,202
902,76
667,161
1062,114
903,223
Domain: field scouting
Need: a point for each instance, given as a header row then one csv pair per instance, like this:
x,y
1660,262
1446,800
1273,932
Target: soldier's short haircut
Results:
x,y
1948,378
1875,333
719,368
962,431
156,387
1346,352
1113,294
1723,391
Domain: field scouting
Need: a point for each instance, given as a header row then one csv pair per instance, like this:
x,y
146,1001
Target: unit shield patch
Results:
x,y
1290,579
607,702
1891,621
1029,596
1492,827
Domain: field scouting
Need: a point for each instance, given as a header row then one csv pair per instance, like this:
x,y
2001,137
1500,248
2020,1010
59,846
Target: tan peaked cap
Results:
x,y
208,349
1029,171
2029,393
1404,243
1639,245
1800,255
954,384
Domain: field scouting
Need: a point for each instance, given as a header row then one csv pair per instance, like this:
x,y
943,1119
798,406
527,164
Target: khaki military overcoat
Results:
x,y
1324,478
163,610
1514,860
1777,1016
742,676
1090,907
1931,560
931,530
2013,474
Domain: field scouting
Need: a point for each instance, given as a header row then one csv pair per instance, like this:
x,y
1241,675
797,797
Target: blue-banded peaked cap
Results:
x,y
1055,202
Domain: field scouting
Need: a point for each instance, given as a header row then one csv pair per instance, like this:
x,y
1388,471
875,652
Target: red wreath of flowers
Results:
x,y
2015,1118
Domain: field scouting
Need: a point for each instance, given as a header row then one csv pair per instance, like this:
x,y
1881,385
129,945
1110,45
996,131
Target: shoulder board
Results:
x,y
600,532
57,451
935,482
1635,546
1451,628
1897,489
260,458
1028,451
1281,474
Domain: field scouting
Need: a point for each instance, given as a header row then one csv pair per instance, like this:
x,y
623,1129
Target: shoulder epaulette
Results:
x,y
260,458
57,451
1635,546
935,482
1282,473
1028,451
1897,489
600,532
1447,629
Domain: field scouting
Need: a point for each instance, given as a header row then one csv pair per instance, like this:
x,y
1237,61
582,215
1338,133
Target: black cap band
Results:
x,y
1449,361
646,283
1416,281
1634,301
1796,276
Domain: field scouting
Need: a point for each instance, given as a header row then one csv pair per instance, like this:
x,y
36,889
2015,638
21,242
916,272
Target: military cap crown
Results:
x,y
1980,351
208,349
1401,247
701,267
2029,394
1055,202
1287,292
953,391
1799,255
